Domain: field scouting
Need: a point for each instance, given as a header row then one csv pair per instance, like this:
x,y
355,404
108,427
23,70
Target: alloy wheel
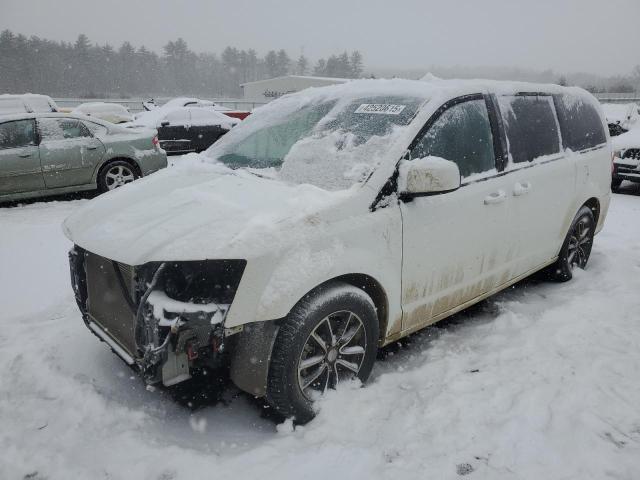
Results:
x,y
580,242
118,175
333,352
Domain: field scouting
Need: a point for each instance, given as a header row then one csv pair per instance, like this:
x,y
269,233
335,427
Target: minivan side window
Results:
x,y
461,134
17,133
530,125
580,123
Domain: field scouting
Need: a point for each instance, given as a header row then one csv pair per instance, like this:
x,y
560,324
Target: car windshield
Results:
x,y
330,143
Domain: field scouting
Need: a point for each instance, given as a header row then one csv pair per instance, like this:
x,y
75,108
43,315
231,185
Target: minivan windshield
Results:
x,y
331,143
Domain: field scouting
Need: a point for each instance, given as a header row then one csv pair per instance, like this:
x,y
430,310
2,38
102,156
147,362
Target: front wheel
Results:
x,y
576,248
328,338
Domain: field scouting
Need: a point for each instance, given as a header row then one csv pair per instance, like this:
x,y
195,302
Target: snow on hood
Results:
x,y
630,139
197,211
625,114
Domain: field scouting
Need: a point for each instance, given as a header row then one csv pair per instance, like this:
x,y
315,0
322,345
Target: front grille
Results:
x,y
632,153
106,302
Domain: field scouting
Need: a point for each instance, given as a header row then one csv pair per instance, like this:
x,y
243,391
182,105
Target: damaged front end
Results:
x,y
163,318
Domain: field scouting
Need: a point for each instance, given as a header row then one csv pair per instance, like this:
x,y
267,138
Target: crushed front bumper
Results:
x,y
163,319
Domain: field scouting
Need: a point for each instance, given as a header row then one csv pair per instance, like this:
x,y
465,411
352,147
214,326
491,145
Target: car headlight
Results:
x,y
202,282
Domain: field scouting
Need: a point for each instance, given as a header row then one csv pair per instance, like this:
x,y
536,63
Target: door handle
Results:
x,y
496,197
24,155
521,188
91,148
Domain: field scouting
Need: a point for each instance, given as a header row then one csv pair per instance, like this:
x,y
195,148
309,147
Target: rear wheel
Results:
x,y
576,248
327,339
116,174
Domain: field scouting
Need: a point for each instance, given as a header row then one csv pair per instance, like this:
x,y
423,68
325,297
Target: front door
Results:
x,y
68,152
20,169
457,245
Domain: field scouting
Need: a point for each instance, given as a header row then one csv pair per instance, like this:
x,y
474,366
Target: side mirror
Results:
x,y
164,124
427,176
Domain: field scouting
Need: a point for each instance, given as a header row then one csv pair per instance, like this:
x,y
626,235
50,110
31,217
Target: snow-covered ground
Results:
x,y
540,382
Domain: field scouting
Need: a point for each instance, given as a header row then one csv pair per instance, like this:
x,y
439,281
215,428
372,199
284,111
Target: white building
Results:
x,y
271,88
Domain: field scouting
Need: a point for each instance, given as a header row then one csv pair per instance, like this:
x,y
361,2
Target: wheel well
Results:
x,y
594,205
371,287
121,159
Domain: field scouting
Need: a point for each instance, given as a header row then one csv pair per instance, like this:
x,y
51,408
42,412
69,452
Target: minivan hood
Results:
x,y
198,212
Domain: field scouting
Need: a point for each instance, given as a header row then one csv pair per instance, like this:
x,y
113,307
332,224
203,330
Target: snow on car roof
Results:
x,y
101,107
336,148
621,112
155,116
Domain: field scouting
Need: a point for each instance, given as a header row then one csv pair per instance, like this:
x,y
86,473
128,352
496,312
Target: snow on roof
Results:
x,y
621,112
303,77
101,107
153,117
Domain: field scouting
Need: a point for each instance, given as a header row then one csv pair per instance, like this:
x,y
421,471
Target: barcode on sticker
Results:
x,y
384,108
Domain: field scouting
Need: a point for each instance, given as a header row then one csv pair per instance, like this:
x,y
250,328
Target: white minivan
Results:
x,y
336,220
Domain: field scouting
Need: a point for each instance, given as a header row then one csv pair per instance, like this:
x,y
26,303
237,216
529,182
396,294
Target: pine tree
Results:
x,y
356,64
301,65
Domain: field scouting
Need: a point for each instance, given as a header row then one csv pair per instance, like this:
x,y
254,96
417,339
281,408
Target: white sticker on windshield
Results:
x,y
383,108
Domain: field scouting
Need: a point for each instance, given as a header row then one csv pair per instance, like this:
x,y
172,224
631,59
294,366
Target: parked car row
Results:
x,y
53,153
46,150
347,217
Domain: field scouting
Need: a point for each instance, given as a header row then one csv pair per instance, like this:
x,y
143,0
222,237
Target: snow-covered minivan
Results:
x,y
336,220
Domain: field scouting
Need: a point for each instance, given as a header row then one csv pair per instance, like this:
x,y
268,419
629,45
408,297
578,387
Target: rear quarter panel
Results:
x,y
134,147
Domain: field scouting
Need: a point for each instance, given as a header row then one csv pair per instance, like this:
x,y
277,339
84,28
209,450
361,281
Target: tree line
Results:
x,y
85,69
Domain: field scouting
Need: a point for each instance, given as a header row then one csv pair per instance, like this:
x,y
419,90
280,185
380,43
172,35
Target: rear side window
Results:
x,y
580,122
462,134
531,126
19,133
62,129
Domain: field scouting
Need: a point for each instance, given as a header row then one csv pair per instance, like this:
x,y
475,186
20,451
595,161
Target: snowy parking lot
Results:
x,y
539,382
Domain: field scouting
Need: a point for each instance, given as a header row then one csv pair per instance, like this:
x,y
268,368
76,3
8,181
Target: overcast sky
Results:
x,y
595,36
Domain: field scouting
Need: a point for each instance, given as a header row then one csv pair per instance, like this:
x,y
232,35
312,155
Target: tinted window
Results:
x,y
580,123
462,134
531,126
62,129
19,133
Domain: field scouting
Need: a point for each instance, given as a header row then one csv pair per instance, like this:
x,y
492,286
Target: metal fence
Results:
x,y
618,97
134,105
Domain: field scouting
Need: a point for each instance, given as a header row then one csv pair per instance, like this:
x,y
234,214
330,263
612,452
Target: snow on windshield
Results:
x,y
331,137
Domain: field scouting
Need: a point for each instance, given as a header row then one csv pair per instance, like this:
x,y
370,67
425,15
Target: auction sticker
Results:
x,y
382,108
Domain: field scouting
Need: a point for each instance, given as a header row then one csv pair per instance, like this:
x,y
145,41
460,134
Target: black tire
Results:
x,y
330,305
615,184
106,181
576,248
